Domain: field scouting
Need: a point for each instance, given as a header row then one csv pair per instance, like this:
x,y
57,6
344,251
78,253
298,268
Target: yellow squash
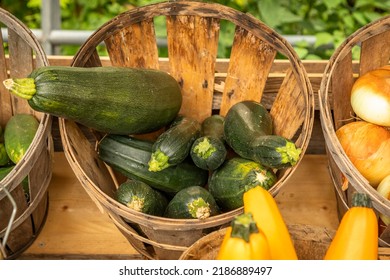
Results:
x,y
356,237
265,211
244,241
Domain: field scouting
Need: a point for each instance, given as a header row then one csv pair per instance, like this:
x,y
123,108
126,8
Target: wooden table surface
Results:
x,y
76,229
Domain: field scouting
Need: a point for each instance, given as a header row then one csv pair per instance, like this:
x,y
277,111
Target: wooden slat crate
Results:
x,y
335,110
193,33
18,58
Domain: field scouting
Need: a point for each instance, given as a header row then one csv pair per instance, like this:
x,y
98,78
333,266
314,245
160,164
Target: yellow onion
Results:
x,y
384,190
367,145
370,96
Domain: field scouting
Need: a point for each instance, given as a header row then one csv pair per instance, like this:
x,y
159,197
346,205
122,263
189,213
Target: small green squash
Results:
x,y
209,151
141,197
194,202
228,183
248,131
173,145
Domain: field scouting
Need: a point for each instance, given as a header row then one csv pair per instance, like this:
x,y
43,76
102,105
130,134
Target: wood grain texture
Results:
x,y
134,46
192,47
251,59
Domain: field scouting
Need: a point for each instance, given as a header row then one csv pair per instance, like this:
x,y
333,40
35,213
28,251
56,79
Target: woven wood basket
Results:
x,y
192,38
310,243
18,57
335,110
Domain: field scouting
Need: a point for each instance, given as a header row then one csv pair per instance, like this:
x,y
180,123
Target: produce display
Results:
x,y
356,237
15,139
187,161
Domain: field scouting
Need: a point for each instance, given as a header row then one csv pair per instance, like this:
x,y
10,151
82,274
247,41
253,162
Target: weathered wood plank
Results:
x,y
134,46
192,47
250,62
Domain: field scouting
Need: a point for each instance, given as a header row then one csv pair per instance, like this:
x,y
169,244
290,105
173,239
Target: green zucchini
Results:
x,y
140,197
209,152
173,145
116,100
248,131
213,126
194,202
130,156
228,183
19,133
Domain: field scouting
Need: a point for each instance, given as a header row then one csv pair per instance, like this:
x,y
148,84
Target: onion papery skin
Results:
x,y
370,96
384,190
367,145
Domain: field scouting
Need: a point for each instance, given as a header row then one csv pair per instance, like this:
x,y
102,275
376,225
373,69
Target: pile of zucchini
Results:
x,y
199,169
192,170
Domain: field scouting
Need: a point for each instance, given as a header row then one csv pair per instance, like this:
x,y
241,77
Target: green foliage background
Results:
x,y
330,21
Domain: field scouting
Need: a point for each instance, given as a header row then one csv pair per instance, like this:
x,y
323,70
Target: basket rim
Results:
x,y
211,10
335,149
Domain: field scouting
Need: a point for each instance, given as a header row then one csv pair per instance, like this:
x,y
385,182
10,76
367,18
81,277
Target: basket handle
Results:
x,y
3,254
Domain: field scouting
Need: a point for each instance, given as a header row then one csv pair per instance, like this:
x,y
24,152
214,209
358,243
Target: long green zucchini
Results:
x,y
130,157
116,100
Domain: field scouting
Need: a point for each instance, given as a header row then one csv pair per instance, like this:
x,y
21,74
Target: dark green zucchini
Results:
x,y
19,133
173,145
116,100
209,152
213,126
130,157
194,202
140,197
228,183
248,131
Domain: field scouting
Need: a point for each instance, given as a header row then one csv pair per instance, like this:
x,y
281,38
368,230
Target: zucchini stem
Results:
x,y
199,209
204,149
24,87
289,153
158,161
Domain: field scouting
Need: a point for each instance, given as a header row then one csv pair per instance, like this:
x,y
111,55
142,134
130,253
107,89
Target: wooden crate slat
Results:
x,y
21,65
192,48
285,120
375,52
250,62
134,46
5,96
342,82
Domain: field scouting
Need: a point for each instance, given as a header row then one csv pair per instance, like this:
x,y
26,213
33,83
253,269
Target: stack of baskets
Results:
x,y
192,37
335,108
18,57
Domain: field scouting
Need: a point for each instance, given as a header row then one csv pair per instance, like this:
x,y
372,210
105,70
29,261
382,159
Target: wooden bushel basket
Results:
x,y
208,88
21,54
335,110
